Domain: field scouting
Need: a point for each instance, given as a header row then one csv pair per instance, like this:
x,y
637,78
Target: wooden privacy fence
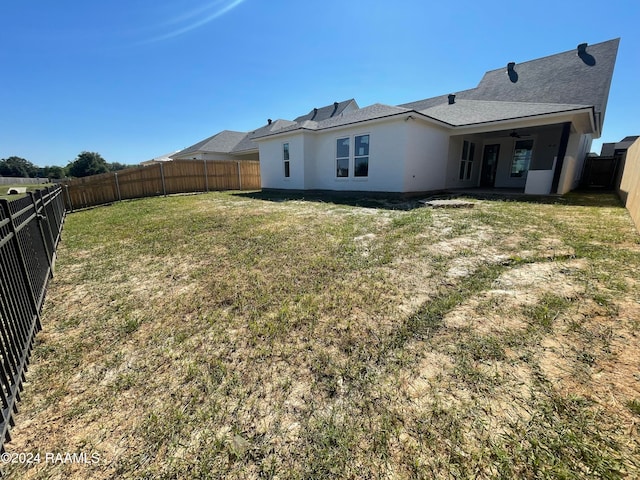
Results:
x,y
182,176
629,188
30,229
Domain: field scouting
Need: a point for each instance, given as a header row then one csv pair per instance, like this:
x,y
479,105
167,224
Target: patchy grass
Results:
x,y
224,336
4,189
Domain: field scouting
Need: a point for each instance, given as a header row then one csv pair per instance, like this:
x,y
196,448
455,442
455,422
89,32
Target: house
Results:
x,y
160,159
526,126
618,148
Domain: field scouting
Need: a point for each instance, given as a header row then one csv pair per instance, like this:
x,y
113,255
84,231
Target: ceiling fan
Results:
x,y
516,134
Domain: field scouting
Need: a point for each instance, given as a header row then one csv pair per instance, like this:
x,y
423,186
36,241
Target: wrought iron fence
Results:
x,y
30,229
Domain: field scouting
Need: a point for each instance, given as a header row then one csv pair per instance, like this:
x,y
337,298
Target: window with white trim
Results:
x,y
285,159
342,157
361,156
466,161
356,160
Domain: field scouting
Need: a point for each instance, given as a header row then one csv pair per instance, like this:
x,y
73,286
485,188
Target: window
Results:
x,y
521,158
358,159
342,157
285,158
466,162
361,156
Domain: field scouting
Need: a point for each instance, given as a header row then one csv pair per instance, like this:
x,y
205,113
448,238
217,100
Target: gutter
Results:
x,y
409,114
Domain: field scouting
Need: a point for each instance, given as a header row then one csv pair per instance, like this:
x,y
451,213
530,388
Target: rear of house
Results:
x,y
526,126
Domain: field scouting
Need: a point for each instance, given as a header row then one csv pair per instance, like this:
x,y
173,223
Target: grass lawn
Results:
x,y
225,336
30,188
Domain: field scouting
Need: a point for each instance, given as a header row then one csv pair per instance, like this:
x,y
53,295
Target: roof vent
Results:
x,y
513,75
269,121
452,99
335,108
315,112
586,57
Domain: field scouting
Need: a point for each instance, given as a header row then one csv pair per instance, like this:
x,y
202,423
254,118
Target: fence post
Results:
x,y
40,218
115,176
66,189
164,187
239,177
206,176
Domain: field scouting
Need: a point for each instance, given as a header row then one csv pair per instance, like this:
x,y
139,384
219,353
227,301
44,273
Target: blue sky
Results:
x,y
136,79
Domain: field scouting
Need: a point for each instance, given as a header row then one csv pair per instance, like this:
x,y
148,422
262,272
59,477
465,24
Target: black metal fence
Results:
x,y
30,229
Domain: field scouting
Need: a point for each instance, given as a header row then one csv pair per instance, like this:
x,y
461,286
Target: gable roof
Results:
x,y
247,143
222,142
324,113
565,78
575,80
161,158
372,112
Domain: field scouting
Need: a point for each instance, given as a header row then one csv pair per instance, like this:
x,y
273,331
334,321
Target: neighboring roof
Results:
x,y
162,158
471,112
564,78
222,142
609,149
329,111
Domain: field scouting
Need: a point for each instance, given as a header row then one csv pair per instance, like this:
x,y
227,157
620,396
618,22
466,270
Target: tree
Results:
x,y
87,163
53,172
17,167
115,166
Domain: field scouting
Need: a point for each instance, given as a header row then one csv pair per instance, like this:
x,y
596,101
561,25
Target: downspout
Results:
x,y
562,151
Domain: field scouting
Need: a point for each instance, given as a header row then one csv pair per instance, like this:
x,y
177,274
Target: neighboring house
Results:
x,y
162,158
526,126
607,169
619,148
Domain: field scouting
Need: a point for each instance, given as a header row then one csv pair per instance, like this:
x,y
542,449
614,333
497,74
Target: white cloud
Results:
x,y
196,18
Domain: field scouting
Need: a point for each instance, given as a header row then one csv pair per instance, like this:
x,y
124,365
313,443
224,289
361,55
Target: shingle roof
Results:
x,y
563,82
564,78
222,142
372,112
471,112
323,113
247,142
609,149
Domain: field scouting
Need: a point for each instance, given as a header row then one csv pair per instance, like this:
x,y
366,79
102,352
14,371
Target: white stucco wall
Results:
x,y
577,148
386,158
404,156
272,163
426,154
309,155
585,148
